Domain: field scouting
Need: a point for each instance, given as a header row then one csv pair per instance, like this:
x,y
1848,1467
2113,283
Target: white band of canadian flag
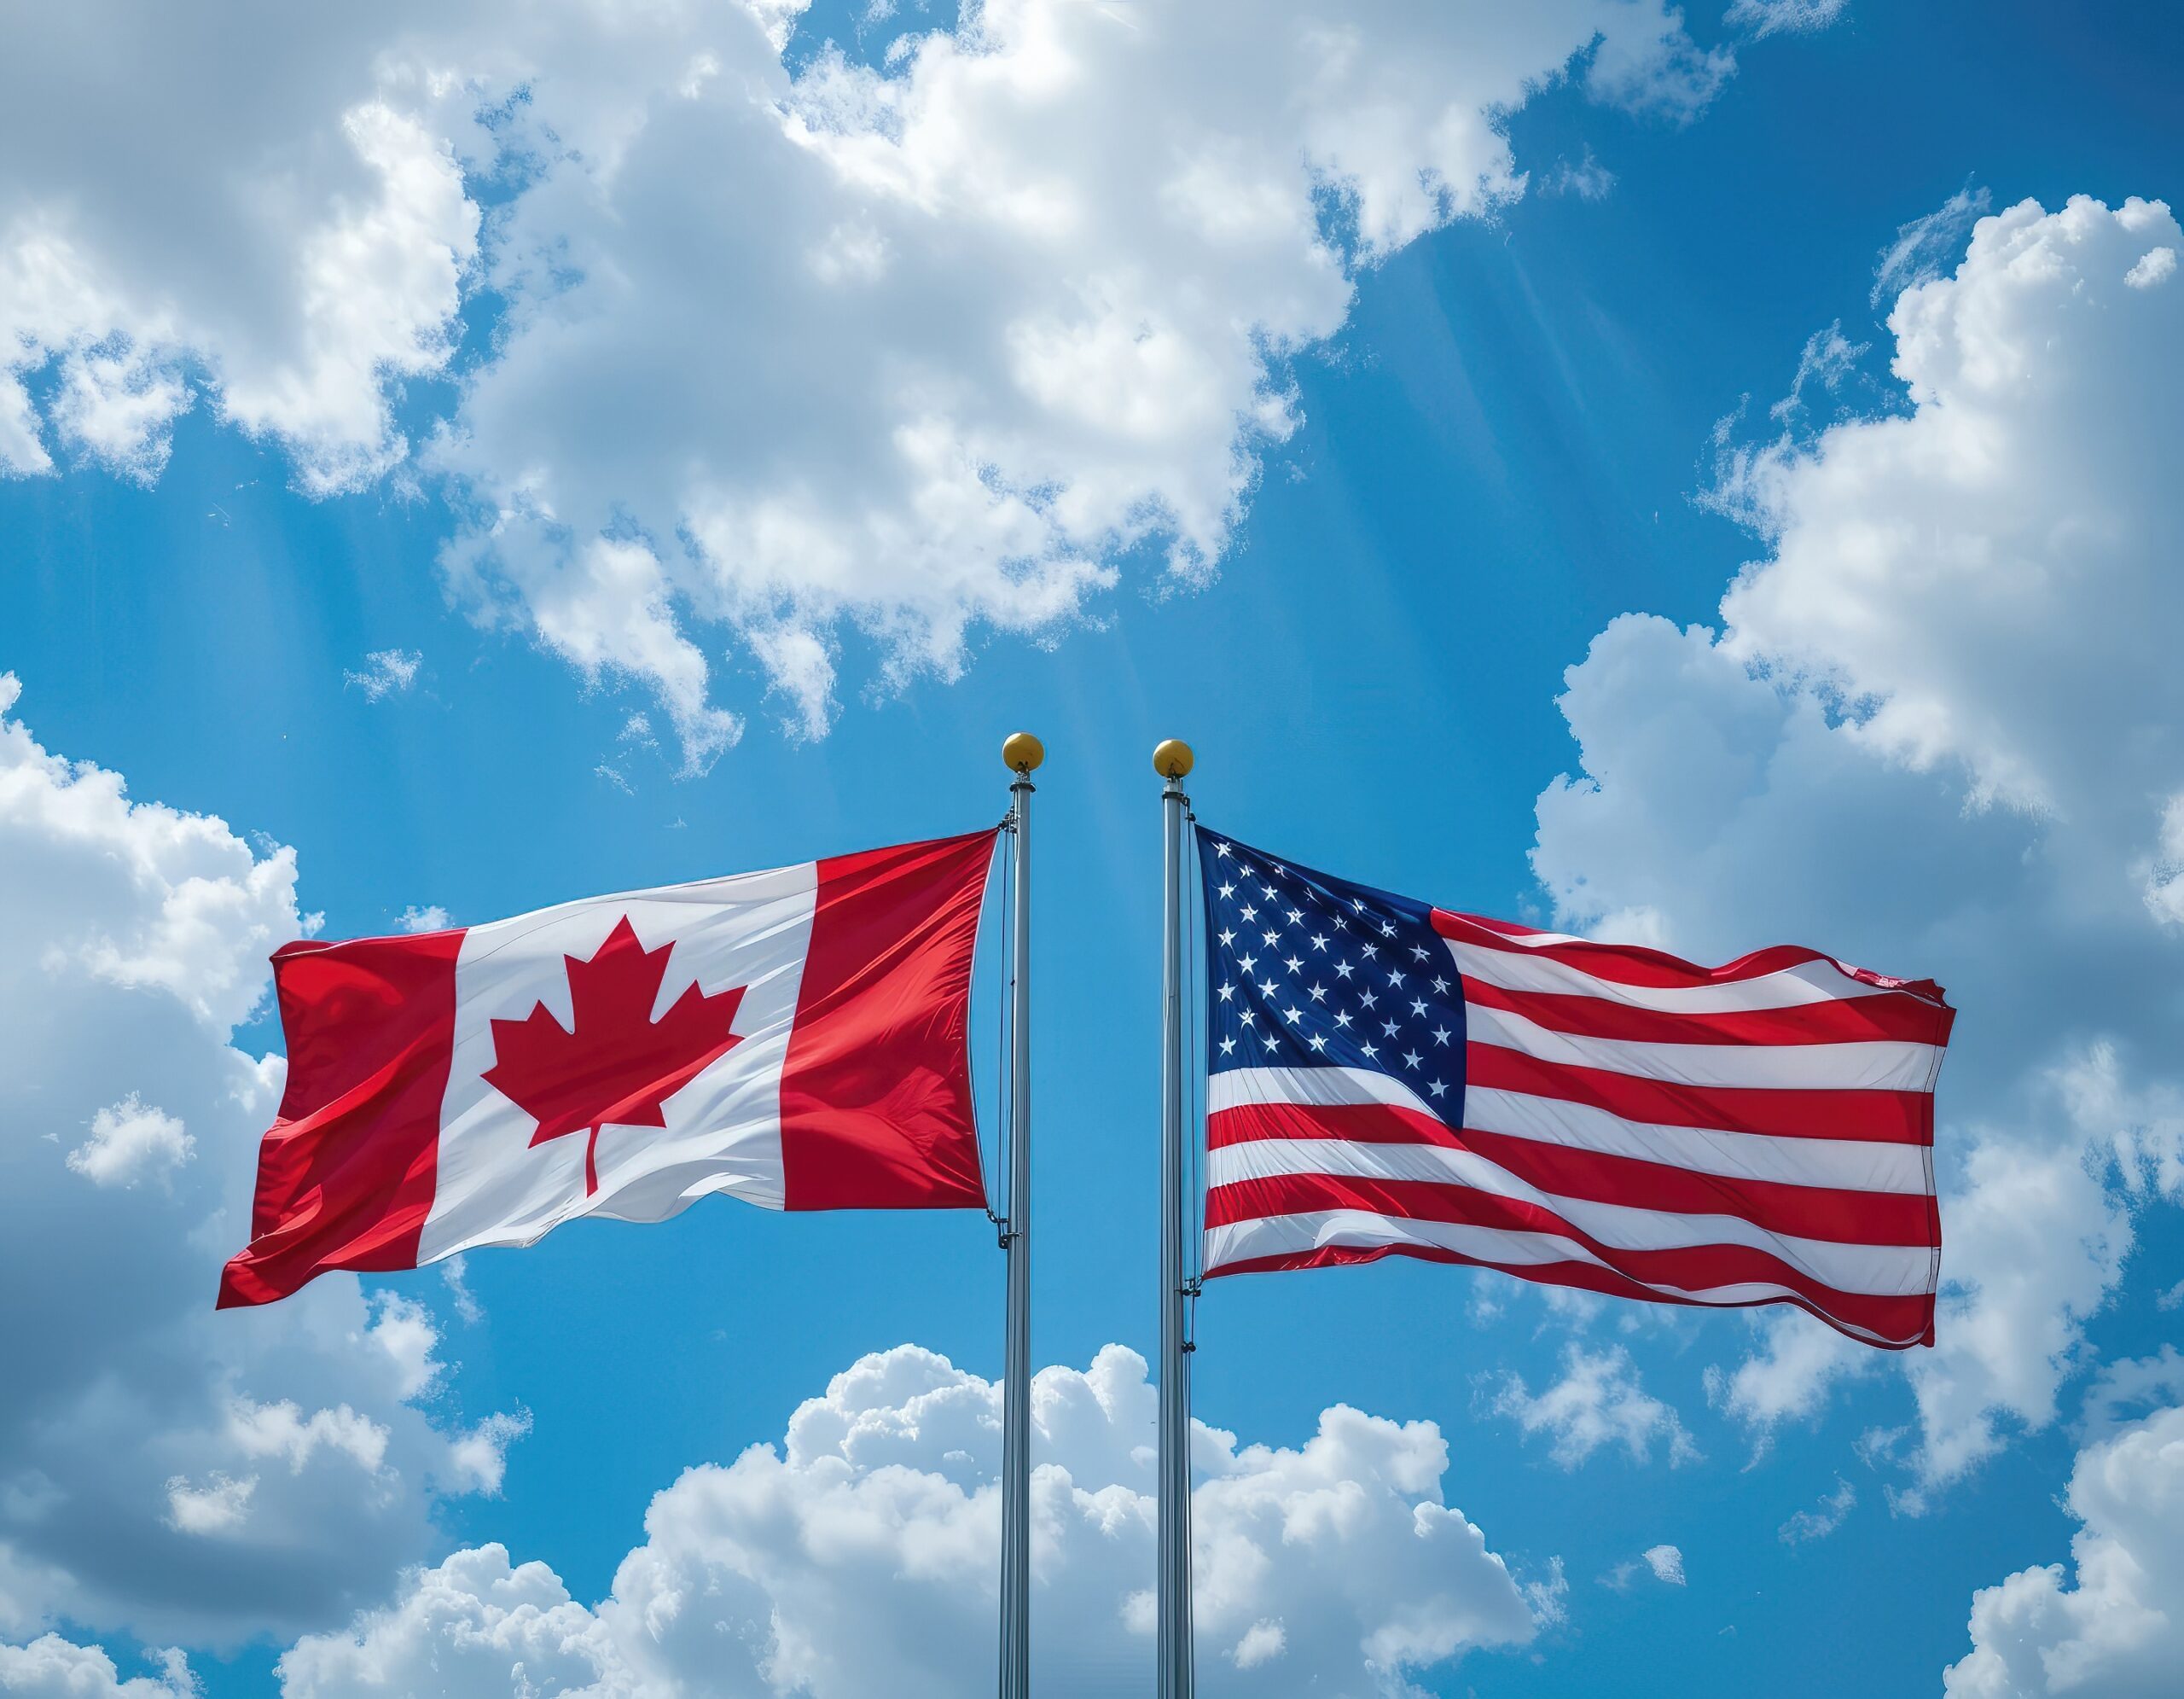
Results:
x,y
796,1038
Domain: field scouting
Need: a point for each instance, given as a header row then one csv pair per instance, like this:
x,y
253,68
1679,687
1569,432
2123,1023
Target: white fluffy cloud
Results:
x,y
859,1558
1938,733
800,356
130,1142
2119,1631
169,1471
50,1667
1599,1401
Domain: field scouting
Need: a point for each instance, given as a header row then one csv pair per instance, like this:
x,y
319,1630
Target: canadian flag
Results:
x,y
797,1038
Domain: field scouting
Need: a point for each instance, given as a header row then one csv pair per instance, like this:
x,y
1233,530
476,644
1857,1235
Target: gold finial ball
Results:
x,y
1172,759
1023,752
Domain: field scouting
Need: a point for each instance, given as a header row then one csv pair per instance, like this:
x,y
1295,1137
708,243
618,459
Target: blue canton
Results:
x,y
1304,971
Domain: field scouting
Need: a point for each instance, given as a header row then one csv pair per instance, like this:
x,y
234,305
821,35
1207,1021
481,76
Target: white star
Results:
x,y
1250,913
1395,976
1418,952
1357,905
1272,1043
1248,963
1228,936
1388,1028
1221,850
1341,1018
1269,891
1319,993
1319,940
1371,951
1280,871
1319,1041
1296,915
1342,970
1437,1088
1228,1046
1369,1052
1341,924
1293,963
1242,871
1418,1005
1292,1014
1411,1058
1248,1019
1271,938
1440,1035
1440,987
1386,930
1227,891
1228,991
1369,999
1268,988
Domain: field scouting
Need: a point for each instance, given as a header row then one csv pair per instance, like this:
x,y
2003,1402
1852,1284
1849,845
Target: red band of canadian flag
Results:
x,y
795,1038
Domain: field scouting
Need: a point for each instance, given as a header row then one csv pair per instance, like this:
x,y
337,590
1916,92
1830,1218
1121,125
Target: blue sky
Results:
x,y
1540,411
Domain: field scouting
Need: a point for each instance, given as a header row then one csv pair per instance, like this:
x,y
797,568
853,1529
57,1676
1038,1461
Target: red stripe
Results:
x,y
1351,1123
1689,1267
1898,1324
1850,1020
876,1109
1634,964
346,1174
1844,1216
1884,1117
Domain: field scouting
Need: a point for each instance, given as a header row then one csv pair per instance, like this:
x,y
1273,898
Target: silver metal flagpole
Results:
x,y
1172,761
1023,752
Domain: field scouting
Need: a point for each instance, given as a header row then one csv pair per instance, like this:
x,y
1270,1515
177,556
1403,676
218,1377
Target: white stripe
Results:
x,y
1846,1164
1289,1235
1808,982
1531,940
1851,1165
1236,1088
1880,1270
1879,1065
722,1129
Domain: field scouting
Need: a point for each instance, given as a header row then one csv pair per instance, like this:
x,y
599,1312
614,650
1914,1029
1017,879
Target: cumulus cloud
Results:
x,y
909,351
1599,1401
130,1142
300,260
171,1473
1934,734
858,1558
2118,1630
50,1667
216,1507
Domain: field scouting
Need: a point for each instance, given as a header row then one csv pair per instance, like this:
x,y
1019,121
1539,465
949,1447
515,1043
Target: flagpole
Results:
x,y
1023,752
1172,761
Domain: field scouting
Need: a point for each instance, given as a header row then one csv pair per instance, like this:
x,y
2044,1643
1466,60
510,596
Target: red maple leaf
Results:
x,y
619,1066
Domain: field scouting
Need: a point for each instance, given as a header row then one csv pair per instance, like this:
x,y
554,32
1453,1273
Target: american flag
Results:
x,y
1386,1077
